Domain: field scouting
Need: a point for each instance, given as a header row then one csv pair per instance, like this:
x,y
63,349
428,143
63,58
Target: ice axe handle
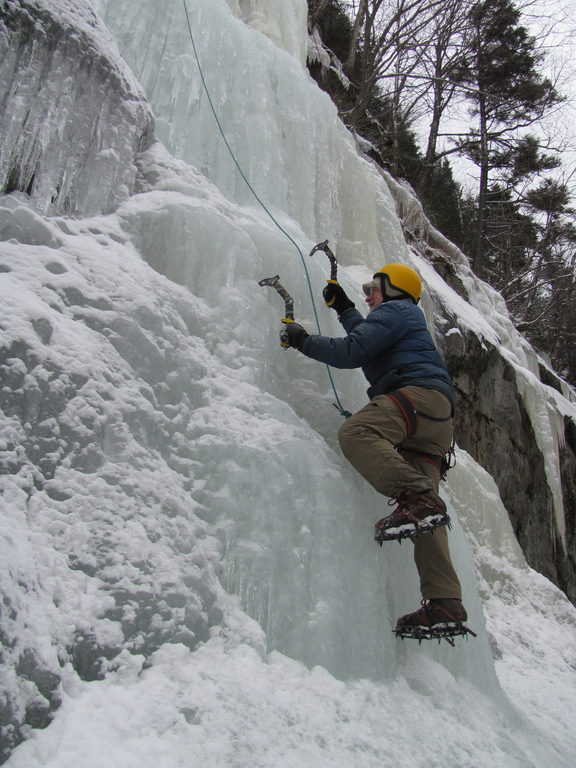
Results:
x,y
333,299
284,338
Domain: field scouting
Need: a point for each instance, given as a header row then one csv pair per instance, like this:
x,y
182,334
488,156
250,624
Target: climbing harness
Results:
x,y
274,282
410,414
337,404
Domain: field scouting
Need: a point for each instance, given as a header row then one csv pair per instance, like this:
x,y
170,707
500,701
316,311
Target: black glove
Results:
x,y
335,298
293,335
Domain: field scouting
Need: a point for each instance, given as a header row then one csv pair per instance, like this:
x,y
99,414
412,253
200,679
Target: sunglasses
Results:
x,y
370,288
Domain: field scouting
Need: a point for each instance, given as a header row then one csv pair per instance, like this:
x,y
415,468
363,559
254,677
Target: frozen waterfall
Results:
x,y
189,574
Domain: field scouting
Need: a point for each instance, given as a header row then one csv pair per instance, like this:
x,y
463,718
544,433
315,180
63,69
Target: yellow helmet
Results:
x,y
400,281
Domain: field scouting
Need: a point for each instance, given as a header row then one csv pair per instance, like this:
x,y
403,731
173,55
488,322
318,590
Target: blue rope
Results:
x,y
338,404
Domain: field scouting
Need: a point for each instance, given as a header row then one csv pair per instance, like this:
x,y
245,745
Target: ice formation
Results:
x,y
189,575
73,116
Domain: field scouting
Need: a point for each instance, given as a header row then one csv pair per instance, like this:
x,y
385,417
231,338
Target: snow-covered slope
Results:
x,y
189,575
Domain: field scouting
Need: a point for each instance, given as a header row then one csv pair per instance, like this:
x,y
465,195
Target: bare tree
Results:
x,y
444,62
386,34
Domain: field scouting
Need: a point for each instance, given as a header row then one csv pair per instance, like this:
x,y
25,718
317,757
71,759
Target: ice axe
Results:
x,y
274,282
333,265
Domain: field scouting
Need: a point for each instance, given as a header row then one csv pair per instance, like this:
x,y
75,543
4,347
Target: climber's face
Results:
x,y
373,294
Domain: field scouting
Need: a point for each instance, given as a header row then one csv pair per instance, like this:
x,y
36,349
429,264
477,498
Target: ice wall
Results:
x,y
284,23
161,454
284,132
72,116
302,163
171,480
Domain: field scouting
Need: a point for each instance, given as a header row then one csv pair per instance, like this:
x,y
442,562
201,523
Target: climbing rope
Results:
x,y
337,404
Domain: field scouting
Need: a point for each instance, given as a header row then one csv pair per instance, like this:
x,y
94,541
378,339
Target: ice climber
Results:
x,y
398,441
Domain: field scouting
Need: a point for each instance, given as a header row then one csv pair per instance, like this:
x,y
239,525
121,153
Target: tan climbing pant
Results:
x,y
375,441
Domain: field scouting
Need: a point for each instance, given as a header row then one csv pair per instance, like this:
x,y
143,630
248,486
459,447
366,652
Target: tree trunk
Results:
x,y
478,250
437,109
358,21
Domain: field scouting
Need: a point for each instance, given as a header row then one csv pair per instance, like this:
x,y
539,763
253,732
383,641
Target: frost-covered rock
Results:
x,y
72,117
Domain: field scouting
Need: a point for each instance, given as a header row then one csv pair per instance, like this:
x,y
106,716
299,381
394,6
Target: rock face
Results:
x,y
71,121
493,425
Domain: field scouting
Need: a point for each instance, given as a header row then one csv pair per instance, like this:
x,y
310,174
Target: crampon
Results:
x,y
438,619
439,632
409,530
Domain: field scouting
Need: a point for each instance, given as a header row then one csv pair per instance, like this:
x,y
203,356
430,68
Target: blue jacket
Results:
x,y
392,345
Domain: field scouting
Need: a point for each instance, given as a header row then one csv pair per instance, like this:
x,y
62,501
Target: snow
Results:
x,y
228,706
175,493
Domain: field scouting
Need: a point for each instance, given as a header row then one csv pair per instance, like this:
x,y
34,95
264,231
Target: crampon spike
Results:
x,y
445,631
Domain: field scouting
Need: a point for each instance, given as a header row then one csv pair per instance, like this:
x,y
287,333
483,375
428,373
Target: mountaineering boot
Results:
x,y
438,611
416,513
436,619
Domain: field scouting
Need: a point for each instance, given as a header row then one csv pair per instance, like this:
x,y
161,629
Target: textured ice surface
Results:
x,y
73,116
167,454
177,519
283,131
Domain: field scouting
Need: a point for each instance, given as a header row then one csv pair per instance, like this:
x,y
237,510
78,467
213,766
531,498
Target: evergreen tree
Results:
x,y
542,298
442,201
509,95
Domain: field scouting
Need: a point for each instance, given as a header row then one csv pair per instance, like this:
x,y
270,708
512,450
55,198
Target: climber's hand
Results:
x,y
336,298
293,335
